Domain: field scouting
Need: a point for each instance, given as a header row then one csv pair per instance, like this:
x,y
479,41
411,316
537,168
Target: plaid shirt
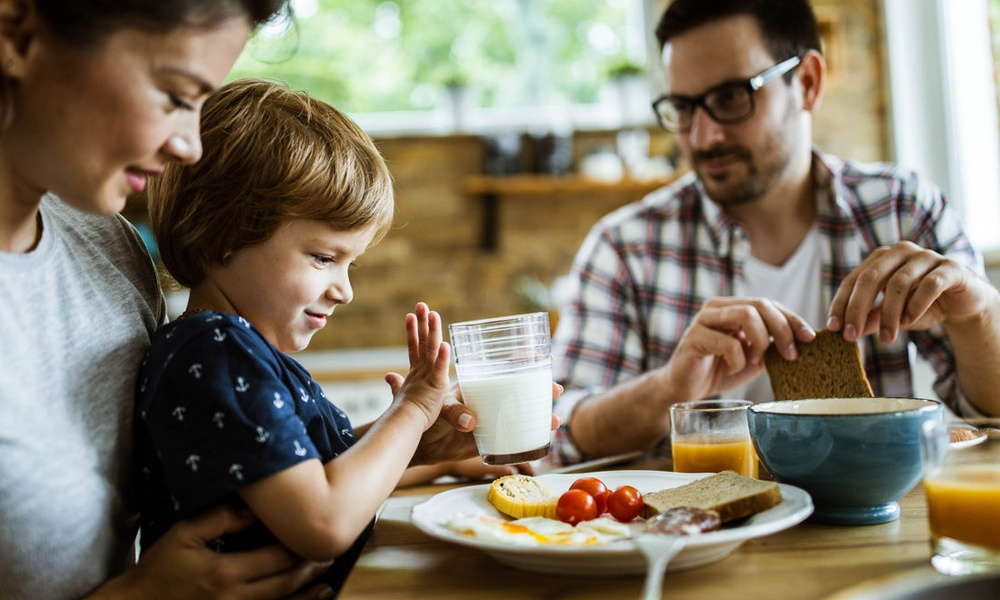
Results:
x,y
645,270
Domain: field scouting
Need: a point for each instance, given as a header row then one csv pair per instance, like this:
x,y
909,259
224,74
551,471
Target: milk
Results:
x,y
513,412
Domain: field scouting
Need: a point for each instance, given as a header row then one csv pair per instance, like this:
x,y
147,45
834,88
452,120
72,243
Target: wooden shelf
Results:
x,y
490,189
526,185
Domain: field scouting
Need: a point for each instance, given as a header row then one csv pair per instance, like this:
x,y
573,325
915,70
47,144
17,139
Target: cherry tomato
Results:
x,y
596,488
625,503
575,506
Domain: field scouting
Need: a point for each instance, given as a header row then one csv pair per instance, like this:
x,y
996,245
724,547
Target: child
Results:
x,y
289,194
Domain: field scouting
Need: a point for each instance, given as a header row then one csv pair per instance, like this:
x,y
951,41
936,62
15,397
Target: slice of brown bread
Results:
x,y
827,367
728,493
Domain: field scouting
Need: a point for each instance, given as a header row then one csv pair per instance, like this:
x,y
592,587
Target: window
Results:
x,y
944,105
440,65
994,8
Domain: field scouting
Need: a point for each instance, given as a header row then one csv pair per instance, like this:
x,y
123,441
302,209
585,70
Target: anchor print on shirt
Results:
x,y
192,461
241,384
236,470
303,395
220,336
219,419
299,449
178,413
278,402
262,435
195,370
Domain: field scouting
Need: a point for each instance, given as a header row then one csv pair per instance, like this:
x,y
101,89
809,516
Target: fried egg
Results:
x,y
538,531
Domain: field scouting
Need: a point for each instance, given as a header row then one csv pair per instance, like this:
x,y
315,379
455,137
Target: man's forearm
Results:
x,y
630,416
977,356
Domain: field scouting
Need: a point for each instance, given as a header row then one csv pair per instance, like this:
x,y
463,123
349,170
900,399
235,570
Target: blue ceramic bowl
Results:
x,y
855,456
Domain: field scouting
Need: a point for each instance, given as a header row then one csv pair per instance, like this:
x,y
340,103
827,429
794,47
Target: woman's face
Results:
x,y
91,125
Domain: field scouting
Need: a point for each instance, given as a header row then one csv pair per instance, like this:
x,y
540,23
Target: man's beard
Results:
x,y
758,179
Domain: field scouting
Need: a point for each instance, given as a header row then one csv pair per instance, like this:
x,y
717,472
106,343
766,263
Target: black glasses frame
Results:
x,y
751,85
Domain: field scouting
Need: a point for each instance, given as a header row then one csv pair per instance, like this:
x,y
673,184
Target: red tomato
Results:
x,y
625,503
596,488
575,506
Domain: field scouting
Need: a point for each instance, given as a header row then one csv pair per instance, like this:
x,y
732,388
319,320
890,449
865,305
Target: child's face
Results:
x,y
289,285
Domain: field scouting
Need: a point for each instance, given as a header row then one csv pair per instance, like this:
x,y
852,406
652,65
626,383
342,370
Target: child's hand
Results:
x,y
426,385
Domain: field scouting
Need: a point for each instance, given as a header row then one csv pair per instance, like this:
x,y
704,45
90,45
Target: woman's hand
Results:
x,y
181,566
450,437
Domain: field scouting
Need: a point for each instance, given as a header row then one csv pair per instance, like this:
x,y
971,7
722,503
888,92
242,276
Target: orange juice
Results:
x,y
963,504
696,454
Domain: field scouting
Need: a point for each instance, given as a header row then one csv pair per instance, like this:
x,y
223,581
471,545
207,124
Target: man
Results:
x,y
677,297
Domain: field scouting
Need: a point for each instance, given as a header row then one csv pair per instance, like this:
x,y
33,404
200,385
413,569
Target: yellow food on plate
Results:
x,y
522,496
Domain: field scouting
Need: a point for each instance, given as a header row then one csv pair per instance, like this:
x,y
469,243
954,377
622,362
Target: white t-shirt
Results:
x,y
797,285
76,316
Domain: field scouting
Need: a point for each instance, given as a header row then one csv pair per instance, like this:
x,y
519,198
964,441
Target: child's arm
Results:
x,y
470,468
318,510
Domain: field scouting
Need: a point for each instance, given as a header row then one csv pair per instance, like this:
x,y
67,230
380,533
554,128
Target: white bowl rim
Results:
x,y
769,408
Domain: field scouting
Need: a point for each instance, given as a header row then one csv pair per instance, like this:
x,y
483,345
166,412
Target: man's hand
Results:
x,y
919,289
724,346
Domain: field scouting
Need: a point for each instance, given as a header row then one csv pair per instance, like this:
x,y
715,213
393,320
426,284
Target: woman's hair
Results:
x,y
788,26
89,21
270,154
85,23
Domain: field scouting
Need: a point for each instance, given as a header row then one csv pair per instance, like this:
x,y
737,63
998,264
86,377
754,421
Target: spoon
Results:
x,y
659,549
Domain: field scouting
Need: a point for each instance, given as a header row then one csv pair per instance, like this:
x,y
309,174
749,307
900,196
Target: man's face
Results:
x,y
737,163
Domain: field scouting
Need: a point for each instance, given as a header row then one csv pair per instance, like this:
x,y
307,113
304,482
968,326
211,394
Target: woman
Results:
x,y
96,97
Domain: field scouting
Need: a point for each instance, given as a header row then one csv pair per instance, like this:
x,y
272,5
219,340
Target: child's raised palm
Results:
x,y
426,384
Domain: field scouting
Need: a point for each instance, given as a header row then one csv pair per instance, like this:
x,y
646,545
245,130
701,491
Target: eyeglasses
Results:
x,y
726,104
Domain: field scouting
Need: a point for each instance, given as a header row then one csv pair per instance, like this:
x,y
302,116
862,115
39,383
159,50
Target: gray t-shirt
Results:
x,y
76,317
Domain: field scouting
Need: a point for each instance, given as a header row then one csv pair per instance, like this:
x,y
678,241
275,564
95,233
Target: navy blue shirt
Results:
x,y
218,408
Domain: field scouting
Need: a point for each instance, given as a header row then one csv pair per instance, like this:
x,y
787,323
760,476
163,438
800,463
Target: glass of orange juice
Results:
x,y
962,483
708,436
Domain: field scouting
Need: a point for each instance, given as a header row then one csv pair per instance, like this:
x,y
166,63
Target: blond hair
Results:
x,y
270,154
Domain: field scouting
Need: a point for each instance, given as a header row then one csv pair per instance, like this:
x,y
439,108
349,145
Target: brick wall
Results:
x,y
434,254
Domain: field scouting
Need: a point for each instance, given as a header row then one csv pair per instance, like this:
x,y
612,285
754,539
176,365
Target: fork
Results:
x,y
659,549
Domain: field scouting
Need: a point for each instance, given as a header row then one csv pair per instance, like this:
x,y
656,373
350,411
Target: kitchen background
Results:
x,y
476,237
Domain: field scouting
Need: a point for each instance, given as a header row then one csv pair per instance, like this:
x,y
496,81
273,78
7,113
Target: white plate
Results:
x,y
618,558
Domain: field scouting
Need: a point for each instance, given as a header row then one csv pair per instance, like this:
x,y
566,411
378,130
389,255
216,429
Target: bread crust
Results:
x,y
827,367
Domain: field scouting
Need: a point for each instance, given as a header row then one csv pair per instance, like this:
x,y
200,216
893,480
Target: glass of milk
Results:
x,y
504,368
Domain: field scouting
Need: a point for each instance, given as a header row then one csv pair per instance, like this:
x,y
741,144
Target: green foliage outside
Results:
x,y
399,55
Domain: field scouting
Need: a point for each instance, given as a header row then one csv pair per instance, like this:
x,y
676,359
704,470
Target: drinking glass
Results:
x,y
962,483
504,368
708,436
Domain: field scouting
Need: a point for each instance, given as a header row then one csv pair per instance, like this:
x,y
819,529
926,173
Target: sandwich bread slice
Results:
x,y
728,493
827,367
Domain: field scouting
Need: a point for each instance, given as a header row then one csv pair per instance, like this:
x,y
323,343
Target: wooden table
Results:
x,y
808,561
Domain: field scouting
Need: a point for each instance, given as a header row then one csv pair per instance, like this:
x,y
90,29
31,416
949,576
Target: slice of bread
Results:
x,y
728,493
827,367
